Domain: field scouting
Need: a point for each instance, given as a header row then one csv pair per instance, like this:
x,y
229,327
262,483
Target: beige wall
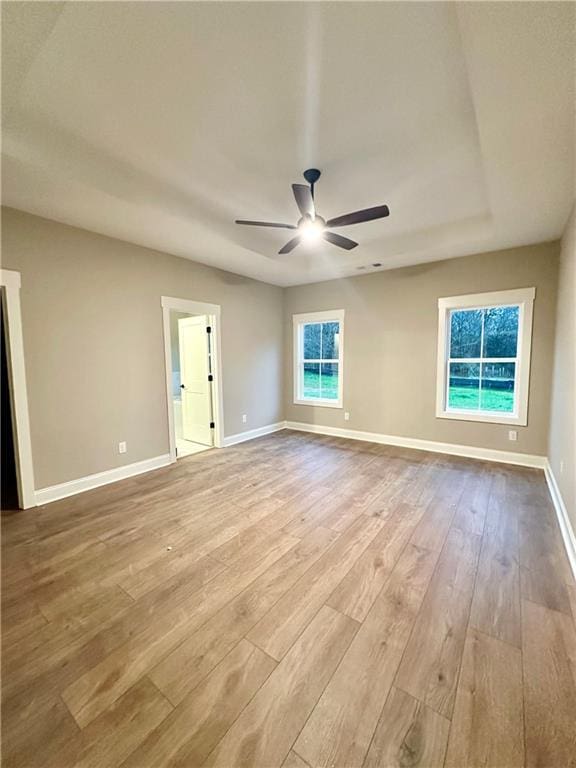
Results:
x,y
562,443
391,344
94,345
95,358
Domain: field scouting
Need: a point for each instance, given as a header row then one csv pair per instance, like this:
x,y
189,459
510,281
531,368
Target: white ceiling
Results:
x,y
160,123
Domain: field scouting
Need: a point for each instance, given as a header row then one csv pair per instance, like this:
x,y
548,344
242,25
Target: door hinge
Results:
x,y
212,425
210,377
208,329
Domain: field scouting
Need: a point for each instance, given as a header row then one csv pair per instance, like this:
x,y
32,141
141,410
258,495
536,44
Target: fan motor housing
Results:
x,y
312,175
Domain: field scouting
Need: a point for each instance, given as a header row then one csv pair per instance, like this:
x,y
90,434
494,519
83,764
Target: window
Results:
x,y
318,348
484,356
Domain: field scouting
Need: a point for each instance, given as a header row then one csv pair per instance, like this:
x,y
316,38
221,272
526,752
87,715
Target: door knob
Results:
x,y
182,386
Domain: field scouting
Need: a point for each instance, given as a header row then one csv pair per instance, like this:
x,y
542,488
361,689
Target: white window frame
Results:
x,y
298,323
523,298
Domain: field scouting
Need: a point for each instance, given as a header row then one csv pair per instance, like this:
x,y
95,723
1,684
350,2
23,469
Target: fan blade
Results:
x,y
341,242
368,214
290,245
266,224
304,200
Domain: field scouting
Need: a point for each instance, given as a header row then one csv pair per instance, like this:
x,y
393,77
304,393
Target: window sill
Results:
x,y
487,418
321,403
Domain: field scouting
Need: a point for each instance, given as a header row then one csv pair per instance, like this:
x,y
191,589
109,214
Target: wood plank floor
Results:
x,y
293,601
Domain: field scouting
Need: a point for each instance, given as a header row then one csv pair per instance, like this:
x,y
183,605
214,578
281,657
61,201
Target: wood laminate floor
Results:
x,y
293,601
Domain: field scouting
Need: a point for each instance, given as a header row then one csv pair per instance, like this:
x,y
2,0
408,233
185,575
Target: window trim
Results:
x,y
298,321
523,298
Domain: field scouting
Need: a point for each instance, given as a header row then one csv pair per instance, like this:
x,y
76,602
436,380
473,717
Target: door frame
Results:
x,y
213,311
10,286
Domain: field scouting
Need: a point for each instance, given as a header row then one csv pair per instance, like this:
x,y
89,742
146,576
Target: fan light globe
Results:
x,y
311,231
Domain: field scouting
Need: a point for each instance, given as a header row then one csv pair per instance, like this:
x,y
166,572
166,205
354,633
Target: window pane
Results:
x,y
329,381
497,393
465,332
312,336
330,340
311,386
312,332
464,387
500,332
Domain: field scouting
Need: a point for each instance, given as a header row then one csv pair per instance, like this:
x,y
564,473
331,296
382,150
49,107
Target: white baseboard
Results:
x,y
252,433
485,454
71,488
566,529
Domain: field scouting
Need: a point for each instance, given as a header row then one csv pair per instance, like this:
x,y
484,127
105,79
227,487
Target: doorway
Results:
x,y
192,345
8,478
192,377
15,420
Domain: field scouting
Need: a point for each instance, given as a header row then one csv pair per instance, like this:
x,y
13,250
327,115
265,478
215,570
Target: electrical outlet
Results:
x,y
122,447
244,418
512,434
346,416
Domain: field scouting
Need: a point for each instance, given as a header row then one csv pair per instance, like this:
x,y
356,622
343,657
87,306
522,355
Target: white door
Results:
x,y
195,387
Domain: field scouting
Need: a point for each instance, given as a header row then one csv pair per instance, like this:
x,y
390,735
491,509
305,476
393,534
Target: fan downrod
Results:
x,y
312,175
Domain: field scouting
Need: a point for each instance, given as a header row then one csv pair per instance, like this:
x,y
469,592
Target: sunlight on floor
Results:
x,y
187,448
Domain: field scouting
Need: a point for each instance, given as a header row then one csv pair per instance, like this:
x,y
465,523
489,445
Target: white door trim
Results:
x,y
10,282
214,313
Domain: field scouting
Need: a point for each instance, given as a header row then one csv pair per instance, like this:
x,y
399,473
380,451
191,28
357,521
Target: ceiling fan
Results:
x,y
312,227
